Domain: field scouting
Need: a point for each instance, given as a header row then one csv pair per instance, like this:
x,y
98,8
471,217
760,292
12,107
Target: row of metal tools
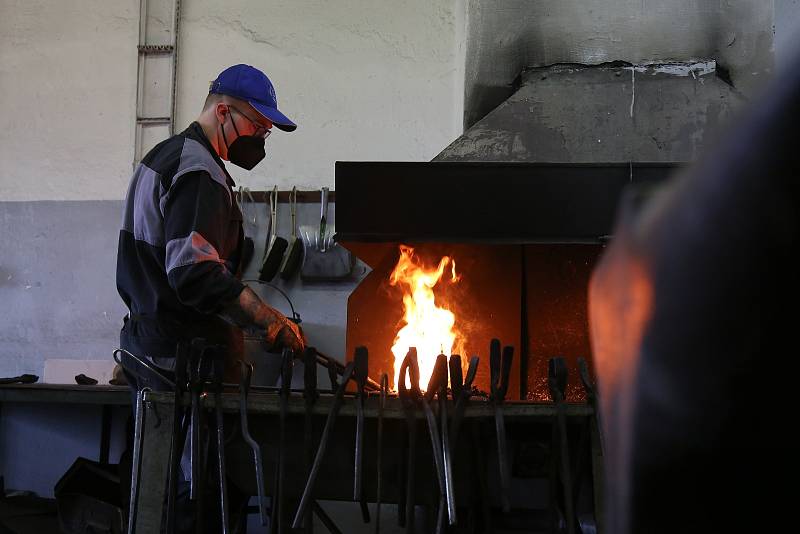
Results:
x,y
199,371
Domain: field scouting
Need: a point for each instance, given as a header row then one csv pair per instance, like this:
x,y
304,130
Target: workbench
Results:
x,y
106,396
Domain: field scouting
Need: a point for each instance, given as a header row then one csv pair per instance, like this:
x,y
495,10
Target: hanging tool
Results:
x,y
333,375
585,450
141,369
409,398
338,398
310,396
217,370
196,380
277,523
276,245
337,368
462,391
500,368
446,444
593,398
361,359
323,259
379,452
176,444
557,376
248,246
246,372
294,254
138,437
437,385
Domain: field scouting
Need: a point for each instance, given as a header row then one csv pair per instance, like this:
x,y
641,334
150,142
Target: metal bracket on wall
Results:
x,y
157,73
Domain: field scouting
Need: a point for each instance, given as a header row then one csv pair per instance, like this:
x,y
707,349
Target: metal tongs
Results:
x,y
244,388
462,391
557,376
306,499
409,397
500,368
440,442
361,359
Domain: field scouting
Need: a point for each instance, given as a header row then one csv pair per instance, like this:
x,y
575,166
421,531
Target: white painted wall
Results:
x,y
68,86
363,79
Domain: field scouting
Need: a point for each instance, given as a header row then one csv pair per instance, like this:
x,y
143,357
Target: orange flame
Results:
x,y
426,326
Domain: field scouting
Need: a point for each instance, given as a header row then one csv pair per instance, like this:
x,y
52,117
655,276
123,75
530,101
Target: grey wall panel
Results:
x,y
787,32
57,282
58,289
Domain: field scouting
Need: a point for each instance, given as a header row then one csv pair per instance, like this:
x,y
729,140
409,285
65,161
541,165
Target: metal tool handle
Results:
x,y
306,499
447,450
138,438
361,360
310,395
293,208
456,375
438,375
494,366
557,377
156,374
335,367
246,370
463,399
333,375
436,446
379,453
197,362
323,220
245,191
500,367
409,396
310,374
557,381
409,369
273,213
216,381
287,362
177,442
594,401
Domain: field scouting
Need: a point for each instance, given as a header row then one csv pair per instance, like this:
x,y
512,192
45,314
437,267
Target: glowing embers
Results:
x,y
426,325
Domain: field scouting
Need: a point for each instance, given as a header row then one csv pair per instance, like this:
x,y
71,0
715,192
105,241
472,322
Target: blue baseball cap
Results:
x,y
251,85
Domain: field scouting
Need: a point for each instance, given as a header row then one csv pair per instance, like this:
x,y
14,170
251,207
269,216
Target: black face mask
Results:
x,y
246,150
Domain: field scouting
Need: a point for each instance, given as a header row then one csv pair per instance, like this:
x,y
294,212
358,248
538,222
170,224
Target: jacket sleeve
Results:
x,y
197,214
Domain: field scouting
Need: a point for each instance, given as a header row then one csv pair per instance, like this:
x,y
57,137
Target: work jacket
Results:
x,y
179,248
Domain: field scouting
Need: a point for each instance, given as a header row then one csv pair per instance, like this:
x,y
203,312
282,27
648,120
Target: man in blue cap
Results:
x,y
180,246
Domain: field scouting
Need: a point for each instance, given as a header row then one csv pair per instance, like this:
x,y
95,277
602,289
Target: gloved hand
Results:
x,y
283,333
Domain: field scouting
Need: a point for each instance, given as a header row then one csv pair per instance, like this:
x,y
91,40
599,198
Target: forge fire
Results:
x,y
427,324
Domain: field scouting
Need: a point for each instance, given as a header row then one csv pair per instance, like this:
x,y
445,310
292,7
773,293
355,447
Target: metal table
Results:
x,y
105,395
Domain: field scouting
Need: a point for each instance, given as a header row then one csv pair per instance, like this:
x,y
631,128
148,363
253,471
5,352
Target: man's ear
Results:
x,y
221,111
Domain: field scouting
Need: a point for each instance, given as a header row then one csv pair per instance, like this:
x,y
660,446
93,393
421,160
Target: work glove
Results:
x,y
282,333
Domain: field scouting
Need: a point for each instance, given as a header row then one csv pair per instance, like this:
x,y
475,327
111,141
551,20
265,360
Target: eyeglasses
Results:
x,y
261,130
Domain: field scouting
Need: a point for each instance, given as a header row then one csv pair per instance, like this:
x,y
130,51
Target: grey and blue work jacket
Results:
x,y
179,247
